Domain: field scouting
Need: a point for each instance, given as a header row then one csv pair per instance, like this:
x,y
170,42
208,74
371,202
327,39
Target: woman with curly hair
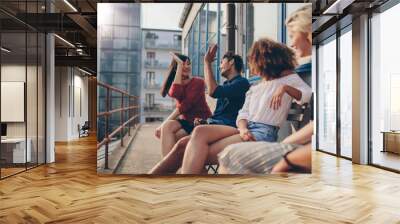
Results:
x,y
266,106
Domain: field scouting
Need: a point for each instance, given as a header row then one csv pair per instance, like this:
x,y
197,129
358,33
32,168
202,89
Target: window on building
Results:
x,y
149,100
177,37
259,14
150,78
256,27
150,55
196,46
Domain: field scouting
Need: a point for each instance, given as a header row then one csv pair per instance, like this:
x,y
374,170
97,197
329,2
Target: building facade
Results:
x,y
204,24
119,47
155,62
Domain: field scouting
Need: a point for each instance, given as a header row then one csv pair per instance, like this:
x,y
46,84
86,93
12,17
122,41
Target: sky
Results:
x,y
161,15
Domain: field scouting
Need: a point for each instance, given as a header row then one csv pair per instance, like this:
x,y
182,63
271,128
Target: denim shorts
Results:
x,y
263,132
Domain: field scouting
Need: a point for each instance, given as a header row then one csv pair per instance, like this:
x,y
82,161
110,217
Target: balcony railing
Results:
x,y
152,44
125,121
157,108
152,85
155,64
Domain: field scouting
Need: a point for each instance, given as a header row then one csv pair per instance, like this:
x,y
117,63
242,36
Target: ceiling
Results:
x,y
74,22
332,15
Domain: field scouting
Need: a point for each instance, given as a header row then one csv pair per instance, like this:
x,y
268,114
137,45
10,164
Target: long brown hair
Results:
x,y
171,74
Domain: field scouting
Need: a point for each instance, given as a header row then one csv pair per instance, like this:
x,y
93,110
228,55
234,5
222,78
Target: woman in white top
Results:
x,y
266,106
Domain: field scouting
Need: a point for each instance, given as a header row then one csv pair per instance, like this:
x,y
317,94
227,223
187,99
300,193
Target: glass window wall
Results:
x,y
385,89
346,93
22,88
327,96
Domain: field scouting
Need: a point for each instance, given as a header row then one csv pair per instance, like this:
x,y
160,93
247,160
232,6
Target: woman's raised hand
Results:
x,y
176,58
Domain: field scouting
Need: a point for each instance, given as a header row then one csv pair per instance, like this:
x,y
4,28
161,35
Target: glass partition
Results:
x,y
327,96
385,89
15,151
22,91
346,93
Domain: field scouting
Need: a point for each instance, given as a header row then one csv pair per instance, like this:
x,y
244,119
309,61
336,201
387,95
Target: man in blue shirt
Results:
x,y
231,95
230,99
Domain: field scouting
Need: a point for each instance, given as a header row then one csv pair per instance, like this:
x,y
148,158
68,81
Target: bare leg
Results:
x,y
173,160
180,134
168,135
219,146
197,150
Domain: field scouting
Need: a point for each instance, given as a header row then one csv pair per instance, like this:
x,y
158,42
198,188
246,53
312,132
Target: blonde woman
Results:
x,y
299,29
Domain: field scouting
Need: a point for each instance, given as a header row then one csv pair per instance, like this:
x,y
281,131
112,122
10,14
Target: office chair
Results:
x,y
84,130
296,115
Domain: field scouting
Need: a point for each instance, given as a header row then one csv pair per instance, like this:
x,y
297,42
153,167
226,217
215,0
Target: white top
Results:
x,y
257,108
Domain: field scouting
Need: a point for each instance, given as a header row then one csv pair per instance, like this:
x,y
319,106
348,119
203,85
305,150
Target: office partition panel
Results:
x,y
22,62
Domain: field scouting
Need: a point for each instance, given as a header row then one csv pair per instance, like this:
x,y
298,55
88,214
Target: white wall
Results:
x,y
16,73
33,127
71,87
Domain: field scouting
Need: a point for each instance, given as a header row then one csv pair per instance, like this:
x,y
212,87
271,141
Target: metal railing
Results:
x,y
157,109
133,114
150,85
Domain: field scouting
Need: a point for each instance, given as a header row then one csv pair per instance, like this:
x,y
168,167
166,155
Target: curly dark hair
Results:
x,y
270,58
238,61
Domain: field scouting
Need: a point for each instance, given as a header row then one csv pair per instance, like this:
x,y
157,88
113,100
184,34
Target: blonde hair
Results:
x,y
300,20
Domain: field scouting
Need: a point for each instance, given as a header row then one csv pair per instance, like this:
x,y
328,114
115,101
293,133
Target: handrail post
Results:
x,y
135,110
106,127
129,115
121,133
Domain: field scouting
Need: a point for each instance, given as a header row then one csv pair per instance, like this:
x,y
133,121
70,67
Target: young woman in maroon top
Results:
x,y
189,93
